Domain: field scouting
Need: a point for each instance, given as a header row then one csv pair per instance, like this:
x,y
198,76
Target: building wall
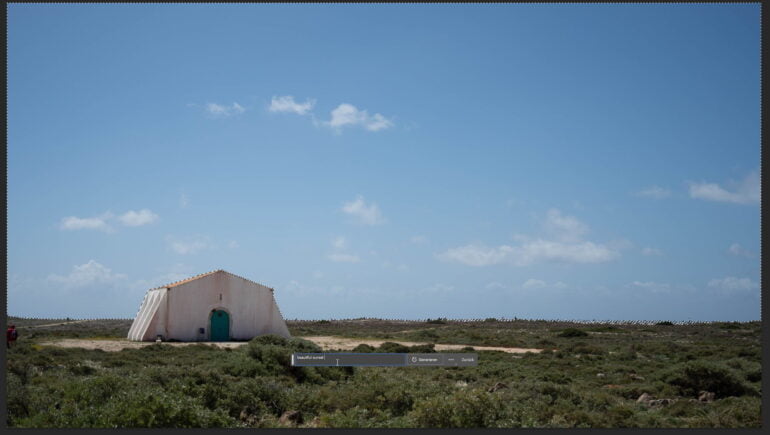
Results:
x,y
187,308
146,323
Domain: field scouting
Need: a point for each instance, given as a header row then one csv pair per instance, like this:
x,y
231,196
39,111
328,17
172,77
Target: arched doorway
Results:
x,y
219,325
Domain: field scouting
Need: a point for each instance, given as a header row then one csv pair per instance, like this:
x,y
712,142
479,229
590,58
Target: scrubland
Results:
x,y
588,375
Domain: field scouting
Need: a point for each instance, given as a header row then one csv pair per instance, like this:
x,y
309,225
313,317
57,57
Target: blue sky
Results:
x,y
531,161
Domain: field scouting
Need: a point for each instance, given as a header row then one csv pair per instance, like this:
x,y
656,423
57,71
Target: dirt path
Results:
x,y
325,342
116,345
343,343
57,324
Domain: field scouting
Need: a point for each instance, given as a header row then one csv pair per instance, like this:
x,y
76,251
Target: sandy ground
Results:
x,y
349,343
325,342
116,345
57,324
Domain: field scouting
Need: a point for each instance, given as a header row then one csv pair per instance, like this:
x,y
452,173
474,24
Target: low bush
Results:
x,y
391,347
693,377
363,348
465,409
573,332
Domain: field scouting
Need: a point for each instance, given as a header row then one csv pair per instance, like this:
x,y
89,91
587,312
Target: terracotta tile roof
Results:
x,y
186,280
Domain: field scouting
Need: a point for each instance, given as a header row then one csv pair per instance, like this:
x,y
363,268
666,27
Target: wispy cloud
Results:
x,y
223,111
529,253
568,247
652,251
233,244
187,246
137,218
339,243
367,214
654,192
564,228
732,285
184,200
339,254
533,283
738,250
102,222
92,223
348,115
419,240
747,191
343,258
286,104
87,274
654,287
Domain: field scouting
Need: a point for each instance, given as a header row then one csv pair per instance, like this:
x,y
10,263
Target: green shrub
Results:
x,y
573,332
391,347
468,409
693,377
557,378
17,398
363,348
422,348
665,323
754,375
439,321
585,348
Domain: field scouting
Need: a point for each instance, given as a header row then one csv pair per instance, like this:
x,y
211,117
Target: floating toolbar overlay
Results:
x,y
384,359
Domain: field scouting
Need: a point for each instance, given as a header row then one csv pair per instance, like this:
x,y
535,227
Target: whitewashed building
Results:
x,y
214,306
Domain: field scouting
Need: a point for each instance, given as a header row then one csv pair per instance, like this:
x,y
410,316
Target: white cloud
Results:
x,y
655,192
654,287
495,284
184,200
559,285
339,246
564,228
568,247
745,192
368,214
533,283
286,104
223,111
87,274
476,255
339,243
438,288
738,250
233,244
731,284
135,219
529,253
419,240
343,258
187,246
347,115
92,223
652,251
130,218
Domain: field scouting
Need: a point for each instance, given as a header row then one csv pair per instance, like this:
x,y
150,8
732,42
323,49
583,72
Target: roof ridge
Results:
x,y
175,283
201,275
246,279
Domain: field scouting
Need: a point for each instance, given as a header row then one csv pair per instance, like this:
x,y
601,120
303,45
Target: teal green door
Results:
x,y
220,326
